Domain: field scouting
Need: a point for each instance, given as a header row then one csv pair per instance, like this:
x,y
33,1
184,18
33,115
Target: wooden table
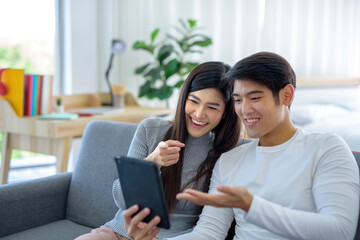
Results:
x,y
54,137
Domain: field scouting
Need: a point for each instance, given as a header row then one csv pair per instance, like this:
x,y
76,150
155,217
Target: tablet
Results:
x,y
141,184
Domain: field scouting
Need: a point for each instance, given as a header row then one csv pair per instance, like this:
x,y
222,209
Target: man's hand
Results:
x,y
234,197
137,229
166,153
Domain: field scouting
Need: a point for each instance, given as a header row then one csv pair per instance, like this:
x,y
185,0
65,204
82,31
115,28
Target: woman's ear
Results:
x,y
288,94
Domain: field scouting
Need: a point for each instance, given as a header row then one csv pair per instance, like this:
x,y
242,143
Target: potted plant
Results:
x,y
169,60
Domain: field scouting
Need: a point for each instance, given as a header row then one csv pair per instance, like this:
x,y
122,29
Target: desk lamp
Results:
x,y
117,48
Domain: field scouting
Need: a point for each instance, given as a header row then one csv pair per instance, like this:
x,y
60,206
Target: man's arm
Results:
x,y
335,191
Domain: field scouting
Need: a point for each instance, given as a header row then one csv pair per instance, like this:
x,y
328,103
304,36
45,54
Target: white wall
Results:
x,y
81,66
319,38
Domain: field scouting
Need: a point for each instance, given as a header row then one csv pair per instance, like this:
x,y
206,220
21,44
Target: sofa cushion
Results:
x,y
59,230
90,201
357,157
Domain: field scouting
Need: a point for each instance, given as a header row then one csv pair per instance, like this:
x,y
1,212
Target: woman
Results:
x,y
185,150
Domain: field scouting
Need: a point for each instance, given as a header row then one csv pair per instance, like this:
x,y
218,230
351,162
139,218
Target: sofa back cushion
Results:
x,y
90,201
357,157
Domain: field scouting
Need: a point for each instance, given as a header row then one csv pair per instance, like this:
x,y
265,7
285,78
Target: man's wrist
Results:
x,y
248,202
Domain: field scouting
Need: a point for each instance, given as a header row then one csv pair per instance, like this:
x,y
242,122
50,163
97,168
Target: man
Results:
x,y
287,183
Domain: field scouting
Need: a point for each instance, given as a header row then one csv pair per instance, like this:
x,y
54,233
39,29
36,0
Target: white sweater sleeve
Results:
x,y
336,195
213,223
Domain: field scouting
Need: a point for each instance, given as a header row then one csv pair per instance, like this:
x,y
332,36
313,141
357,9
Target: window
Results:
x,y
27,41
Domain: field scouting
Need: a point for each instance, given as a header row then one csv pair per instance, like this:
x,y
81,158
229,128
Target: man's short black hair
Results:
x,y
264,68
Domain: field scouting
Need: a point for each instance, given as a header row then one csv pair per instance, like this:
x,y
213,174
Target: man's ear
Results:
x,y
288,94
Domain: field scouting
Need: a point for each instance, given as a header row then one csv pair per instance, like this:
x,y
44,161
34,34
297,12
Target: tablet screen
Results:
x,y
141,184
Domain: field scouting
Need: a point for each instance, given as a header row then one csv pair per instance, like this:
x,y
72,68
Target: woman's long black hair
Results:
x,y
205,75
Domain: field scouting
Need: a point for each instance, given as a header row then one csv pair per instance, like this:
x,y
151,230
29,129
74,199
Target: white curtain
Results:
x,y
318,37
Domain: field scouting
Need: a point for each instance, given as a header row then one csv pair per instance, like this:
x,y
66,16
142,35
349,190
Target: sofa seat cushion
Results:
x,y
59,230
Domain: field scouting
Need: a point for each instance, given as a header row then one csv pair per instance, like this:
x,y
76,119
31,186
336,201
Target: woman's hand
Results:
x,y
137,229
166,153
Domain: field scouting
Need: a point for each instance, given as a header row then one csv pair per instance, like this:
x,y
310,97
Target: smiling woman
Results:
x,y
185,149
204,110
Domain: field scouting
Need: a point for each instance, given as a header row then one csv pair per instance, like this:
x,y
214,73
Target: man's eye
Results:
x,y
238,100
255,98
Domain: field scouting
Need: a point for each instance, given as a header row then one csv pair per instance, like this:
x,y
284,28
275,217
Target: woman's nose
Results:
x,y
200,112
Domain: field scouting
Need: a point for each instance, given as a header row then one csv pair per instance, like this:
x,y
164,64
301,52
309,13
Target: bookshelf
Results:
x,y
54,137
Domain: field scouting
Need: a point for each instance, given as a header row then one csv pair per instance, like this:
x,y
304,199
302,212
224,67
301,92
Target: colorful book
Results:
x,y
39,94
34,96
26,94
14,80
30,95
46,95
59,116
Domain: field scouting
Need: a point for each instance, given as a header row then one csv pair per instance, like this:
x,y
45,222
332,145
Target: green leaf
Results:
x,y
141,69
142,45
144,89
191,65
192,22
171,68
153,75
202,43
187,68
164,52
195,51
152,93
154,34
164,92
198,35
139,44
179,84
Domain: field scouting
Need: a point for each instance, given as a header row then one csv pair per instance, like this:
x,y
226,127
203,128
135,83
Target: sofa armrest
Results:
x,y
33,203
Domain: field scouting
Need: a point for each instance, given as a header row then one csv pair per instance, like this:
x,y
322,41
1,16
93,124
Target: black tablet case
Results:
x,y
141,184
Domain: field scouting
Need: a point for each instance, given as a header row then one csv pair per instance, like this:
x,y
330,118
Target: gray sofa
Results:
x,y
67,205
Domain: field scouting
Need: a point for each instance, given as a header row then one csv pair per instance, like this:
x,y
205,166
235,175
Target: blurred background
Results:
x,y
72,40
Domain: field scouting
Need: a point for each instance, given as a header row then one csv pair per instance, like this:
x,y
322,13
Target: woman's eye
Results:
x,y
193,101
212,108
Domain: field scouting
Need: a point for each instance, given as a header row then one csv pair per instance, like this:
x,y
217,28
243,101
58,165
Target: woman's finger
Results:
x,y
162,145
140,216
175,143
149,229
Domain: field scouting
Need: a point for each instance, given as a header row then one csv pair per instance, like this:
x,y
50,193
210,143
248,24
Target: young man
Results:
x,y
287,183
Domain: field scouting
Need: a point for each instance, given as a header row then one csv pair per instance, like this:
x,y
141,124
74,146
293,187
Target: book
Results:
x,y
14,80
34,95
46,94
28,102
39,95
59,116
